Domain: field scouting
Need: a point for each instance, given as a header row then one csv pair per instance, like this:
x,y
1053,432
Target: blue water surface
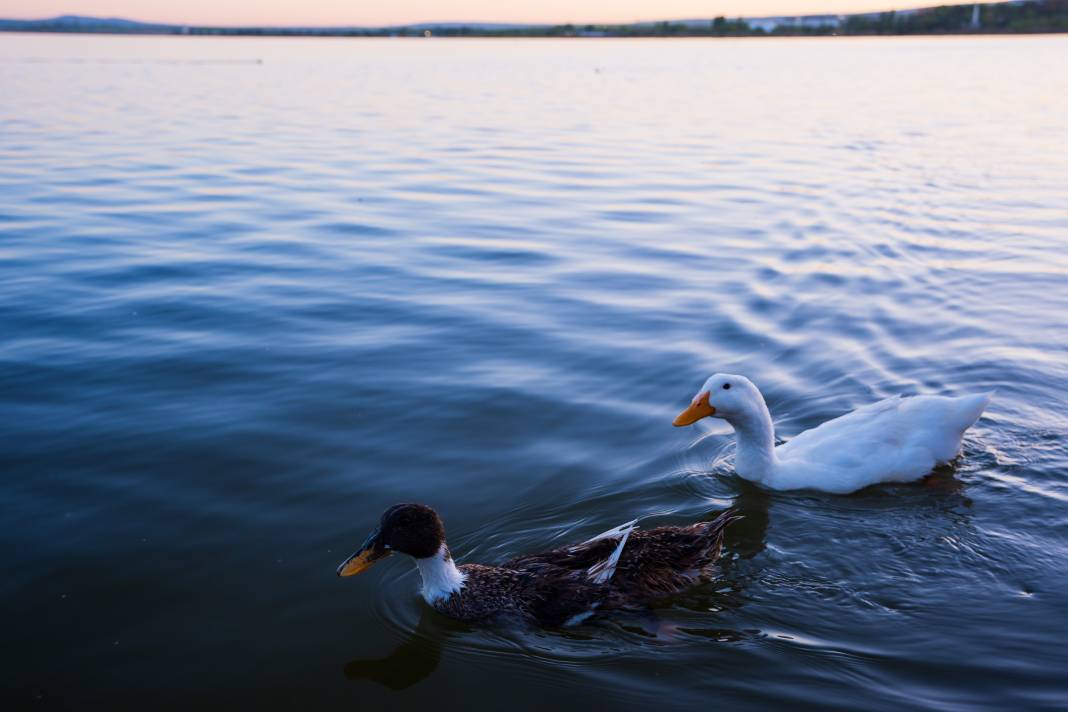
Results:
x,y
254,291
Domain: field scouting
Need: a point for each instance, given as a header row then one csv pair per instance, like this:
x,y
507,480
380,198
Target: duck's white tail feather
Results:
x,y
602,572
943,420
972,406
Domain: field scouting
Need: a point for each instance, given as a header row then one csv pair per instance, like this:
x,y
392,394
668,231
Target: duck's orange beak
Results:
x,y
357,563
365,558
697,410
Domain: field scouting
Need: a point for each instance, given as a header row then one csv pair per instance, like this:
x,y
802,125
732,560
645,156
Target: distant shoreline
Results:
x,y
1014,17
488,36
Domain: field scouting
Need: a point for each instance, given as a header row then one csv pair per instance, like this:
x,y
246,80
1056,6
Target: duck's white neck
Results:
x,y
440,576
755,459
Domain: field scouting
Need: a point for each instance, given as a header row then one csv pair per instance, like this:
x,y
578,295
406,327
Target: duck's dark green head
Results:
x,y
413,529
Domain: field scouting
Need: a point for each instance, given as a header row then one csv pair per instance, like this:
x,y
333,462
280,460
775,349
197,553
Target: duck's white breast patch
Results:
x,y
440,576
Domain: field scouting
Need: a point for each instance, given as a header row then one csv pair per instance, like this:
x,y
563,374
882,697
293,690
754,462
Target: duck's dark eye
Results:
x,y
726,386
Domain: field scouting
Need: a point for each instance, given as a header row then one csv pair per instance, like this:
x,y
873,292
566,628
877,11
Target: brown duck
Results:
x,y
622,569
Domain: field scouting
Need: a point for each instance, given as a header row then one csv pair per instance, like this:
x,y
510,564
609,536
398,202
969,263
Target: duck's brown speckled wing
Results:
x,y
577,557
666,560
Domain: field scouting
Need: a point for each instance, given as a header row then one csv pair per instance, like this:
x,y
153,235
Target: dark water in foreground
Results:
x,y
254,291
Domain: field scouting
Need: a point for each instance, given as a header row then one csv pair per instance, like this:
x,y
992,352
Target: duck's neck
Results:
x,y
755,459
440,576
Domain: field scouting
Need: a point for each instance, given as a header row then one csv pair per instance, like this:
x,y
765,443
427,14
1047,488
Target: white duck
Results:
x,y
894,440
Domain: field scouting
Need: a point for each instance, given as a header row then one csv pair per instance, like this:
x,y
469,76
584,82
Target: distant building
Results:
x,y
769,24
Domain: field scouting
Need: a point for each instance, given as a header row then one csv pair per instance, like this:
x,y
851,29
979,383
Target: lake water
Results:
x,y
254,291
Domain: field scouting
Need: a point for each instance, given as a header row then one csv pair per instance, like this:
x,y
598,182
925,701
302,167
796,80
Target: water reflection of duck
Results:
x,y
622,569
749,537
410,662
894,440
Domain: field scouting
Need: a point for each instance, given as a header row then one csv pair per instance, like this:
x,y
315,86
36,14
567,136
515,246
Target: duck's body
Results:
x,y
622,569
893,440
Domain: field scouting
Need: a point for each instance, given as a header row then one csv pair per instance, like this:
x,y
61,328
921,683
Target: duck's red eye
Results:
x,y
726,386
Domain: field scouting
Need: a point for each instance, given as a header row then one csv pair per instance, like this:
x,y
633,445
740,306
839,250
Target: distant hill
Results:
x,y
1013,16
80,23
83,21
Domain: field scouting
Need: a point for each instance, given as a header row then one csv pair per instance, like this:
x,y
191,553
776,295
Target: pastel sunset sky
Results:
x,y
366,12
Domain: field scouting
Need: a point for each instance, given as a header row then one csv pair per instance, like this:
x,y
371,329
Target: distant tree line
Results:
x,y
1048,16
1005,17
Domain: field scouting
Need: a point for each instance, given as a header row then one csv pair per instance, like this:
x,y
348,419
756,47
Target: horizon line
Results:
x,y
506,24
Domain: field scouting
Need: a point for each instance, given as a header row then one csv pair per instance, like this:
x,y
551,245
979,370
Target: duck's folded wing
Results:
x,y
854,434
894,439
602,550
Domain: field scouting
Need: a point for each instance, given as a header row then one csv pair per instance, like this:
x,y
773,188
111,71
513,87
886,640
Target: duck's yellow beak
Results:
x,y
697,410
365,558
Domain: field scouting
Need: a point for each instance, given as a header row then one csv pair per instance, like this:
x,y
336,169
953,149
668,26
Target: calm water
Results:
x,y
252,292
